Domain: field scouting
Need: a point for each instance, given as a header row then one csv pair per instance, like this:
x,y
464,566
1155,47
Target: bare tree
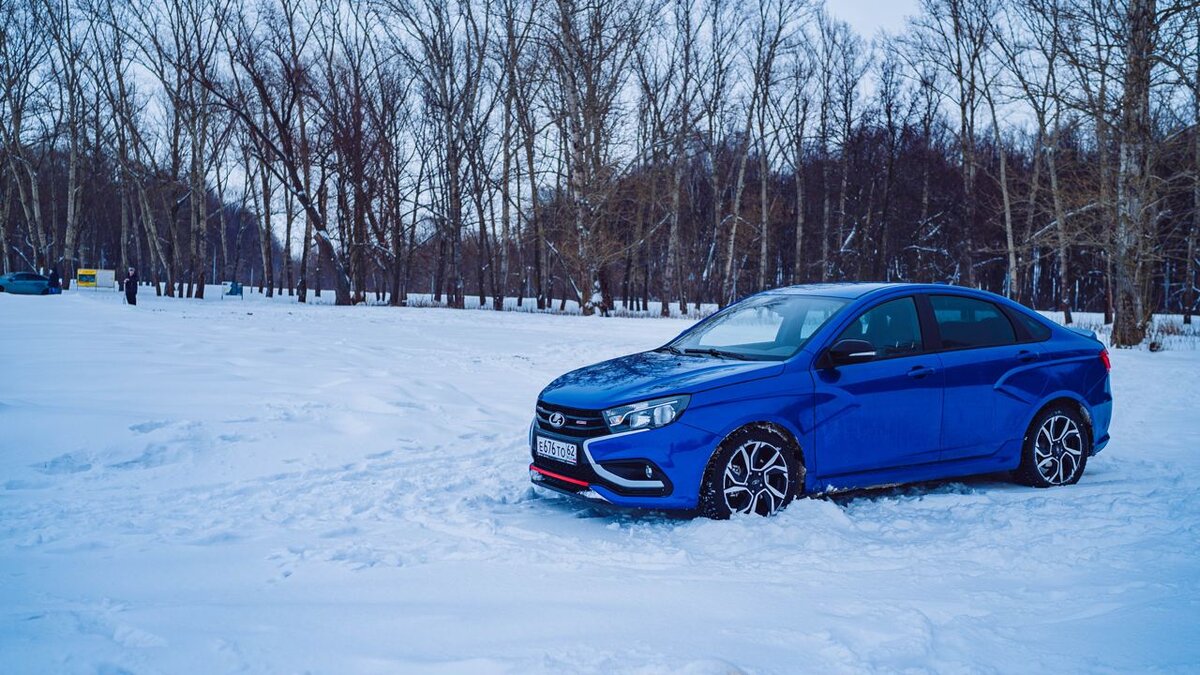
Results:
x,y
850,64
1136,187
689,150
769,26
589,45
792,111
23,52
830,33
896,118
953,36
268,83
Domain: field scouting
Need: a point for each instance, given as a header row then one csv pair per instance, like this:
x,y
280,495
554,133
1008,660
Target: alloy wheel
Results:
x,y
756,479
1058,449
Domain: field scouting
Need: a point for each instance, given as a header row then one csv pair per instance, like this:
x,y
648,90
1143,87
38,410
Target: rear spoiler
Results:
x,y
1084,332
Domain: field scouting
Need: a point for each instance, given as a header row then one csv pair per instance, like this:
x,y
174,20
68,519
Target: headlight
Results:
x,y
645,415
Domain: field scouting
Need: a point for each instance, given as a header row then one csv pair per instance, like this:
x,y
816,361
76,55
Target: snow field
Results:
x,y
261,486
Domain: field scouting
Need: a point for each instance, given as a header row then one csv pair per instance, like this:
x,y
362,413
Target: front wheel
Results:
x,y
755,471
1056,448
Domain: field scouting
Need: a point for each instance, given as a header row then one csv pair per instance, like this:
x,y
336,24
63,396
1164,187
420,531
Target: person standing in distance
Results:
x,y
130,285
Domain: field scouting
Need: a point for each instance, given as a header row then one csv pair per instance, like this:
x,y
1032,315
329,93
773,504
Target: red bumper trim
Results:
x,y
555,476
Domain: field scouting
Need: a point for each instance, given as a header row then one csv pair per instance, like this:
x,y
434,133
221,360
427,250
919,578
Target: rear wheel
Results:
x,y
1056,448
755,471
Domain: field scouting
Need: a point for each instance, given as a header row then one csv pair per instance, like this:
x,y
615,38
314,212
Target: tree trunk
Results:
x,y
735,214
714,182
123,196
672,286
288,268
74,193
454,194
5,209
200,197
1135,193
158,258
487,255
798,175
1031,207
1189,275
1009,238
1060,218
965,243
265,237
764,206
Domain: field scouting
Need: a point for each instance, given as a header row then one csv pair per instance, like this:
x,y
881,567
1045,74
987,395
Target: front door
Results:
x,y
886,412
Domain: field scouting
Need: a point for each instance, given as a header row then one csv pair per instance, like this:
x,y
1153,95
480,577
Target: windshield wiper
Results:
x,y
719,353
669,349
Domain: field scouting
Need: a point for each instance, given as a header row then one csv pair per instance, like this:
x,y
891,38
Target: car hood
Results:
x,y
649,374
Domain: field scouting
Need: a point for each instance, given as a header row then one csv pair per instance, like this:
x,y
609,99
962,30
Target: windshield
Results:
x,y
763,328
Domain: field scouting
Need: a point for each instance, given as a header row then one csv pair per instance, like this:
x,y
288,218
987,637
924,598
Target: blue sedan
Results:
x,y
24,283
821,388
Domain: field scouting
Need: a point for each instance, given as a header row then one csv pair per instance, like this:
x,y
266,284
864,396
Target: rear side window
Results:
x,y
1038,331
967,322
892,328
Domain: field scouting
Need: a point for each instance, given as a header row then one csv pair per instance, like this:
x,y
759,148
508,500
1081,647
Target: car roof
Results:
x,y
851,290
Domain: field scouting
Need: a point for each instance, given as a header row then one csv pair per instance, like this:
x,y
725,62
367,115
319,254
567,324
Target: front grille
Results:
x,y
576,423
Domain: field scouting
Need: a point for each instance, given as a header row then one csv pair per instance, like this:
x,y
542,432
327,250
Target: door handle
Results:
x,y
1026,356
919,372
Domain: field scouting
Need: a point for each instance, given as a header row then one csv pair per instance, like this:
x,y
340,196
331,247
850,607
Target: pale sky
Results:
x,y
868,16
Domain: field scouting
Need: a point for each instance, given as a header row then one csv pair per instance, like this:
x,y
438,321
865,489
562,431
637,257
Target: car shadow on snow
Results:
x,y
578,508
961,486
845,499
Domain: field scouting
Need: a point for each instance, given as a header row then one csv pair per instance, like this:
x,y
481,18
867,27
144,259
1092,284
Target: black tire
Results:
x,y
1055,449
775,478
45,291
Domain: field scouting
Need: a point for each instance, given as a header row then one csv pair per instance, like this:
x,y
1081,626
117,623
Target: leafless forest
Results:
x,y
609,152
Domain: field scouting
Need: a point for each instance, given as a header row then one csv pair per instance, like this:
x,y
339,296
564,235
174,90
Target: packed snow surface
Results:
x,y
262,486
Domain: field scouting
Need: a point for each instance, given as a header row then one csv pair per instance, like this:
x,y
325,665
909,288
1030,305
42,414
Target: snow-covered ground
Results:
x,y
260,486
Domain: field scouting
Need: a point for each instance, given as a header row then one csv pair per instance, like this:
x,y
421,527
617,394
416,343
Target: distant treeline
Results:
x,y
609,152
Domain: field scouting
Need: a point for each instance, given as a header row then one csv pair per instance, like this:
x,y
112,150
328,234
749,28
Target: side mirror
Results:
x,y
846,352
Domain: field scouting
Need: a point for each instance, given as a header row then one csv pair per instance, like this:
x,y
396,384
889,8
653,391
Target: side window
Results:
x,y
967,322
1037,330
892,328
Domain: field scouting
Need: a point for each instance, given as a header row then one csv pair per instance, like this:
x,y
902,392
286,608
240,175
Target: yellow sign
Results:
x,y
85,278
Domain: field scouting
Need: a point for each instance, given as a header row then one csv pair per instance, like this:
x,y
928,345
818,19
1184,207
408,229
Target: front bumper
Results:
x,y
657,469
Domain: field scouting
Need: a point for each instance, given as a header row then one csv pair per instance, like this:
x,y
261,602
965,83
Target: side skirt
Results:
x,y
1001,461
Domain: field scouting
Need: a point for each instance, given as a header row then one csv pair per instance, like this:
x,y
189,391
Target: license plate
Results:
x,y
557,450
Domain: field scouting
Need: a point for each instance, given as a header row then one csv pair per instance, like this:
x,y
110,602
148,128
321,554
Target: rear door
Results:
x,y
989,373
886,412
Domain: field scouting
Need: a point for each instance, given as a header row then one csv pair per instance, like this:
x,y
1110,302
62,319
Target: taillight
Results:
x,y
1104,359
